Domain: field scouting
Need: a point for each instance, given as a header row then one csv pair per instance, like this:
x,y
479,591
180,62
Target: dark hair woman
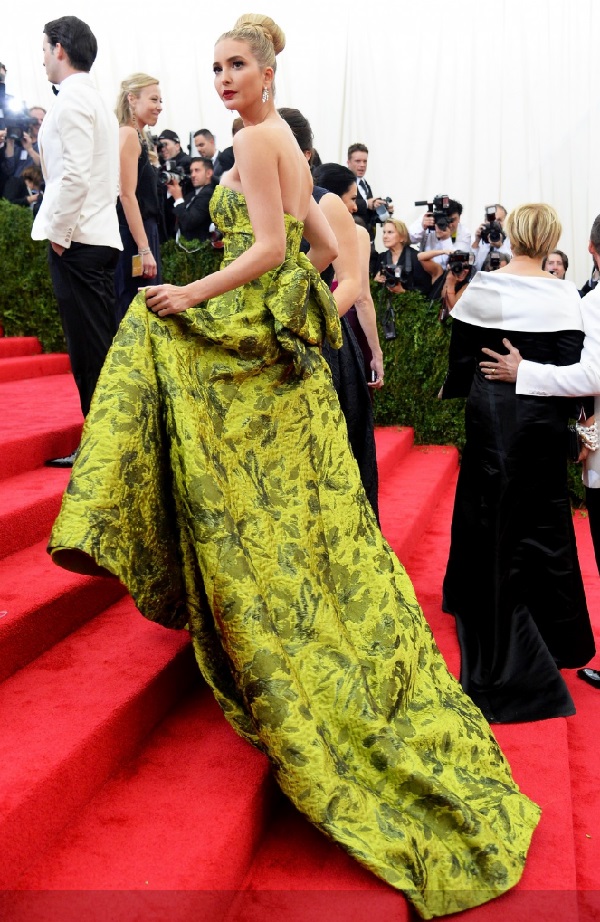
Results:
x,y
345,278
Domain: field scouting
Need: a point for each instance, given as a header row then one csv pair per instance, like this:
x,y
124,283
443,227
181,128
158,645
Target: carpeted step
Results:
x,y
185,814
393,443
409,494
29,503
584,733
18,368
71,718
298,874
19,345
42,603
537,752
41,419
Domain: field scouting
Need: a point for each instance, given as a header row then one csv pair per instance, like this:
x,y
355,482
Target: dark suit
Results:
x,y
367,214
193,216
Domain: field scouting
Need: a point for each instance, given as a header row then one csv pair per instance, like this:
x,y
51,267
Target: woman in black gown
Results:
x,y
513,579
138,107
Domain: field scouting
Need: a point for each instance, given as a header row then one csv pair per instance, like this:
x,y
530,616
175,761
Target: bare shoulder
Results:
x,y
128,138
263,139
364,241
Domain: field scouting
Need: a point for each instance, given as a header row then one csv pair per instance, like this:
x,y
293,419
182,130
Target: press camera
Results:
x,y
491,231
439,210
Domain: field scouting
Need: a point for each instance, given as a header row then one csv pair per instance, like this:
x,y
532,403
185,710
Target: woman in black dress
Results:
x,y
138,106
513,579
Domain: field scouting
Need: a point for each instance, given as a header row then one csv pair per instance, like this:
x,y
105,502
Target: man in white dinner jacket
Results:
x,y
577,380
79,151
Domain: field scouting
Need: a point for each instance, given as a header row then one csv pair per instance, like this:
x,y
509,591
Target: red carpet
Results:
x,y
123,792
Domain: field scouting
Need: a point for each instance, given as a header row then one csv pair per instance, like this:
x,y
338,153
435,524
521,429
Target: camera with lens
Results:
x,y
382,212
16,123
494,261
171,171
459,261
394,275
439,209
492,231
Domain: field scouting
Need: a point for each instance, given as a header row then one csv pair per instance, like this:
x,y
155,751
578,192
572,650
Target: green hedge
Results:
x,y
415,366
415,362
27,303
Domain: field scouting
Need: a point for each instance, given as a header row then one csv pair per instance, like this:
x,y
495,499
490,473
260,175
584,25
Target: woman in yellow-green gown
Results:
x,y
215,480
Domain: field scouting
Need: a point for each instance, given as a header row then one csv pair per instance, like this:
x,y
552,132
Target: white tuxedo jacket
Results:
x,y
79,152
578,380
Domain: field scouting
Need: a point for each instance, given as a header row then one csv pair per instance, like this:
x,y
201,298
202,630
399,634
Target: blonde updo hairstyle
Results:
x,y
400,227
533,230
263,36
134,85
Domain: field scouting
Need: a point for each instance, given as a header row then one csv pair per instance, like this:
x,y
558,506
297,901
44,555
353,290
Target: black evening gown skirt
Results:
x,y
350,383
513,579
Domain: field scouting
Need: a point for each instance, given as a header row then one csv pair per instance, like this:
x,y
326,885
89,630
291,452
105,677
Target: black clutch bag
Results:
x,y
574,443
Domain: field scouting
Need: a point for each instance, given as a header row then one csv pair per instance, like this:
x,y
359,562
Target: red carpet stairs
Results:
x,y
124,794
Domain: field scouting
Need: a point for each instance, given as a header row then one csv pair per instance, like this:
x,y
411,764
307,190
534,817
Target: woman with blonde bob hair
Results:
x,y
138,106
215,478
513,580
399,268
533,230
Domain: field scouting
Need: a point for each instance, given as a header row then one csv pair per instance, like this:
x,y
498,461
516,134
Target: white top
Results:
x,y
578,380
499,300
79,153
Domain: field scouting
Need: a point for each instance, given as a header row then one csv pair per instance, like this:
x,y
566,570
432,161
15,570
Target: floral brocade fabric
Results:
x,y
216,481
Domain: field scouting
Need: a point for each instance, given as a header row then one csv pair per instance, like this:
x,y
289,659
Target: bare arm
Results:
x,y
323,246
129,152
346,266
427,261
365,309
259,174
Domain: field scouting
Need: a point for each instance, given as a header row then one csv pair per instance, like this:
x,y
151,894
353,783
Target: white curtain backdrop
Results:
x,y
484,101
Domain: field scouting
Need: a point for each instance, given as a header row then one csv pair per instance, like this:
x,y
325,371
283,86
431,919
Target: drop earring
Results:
x,y
265,95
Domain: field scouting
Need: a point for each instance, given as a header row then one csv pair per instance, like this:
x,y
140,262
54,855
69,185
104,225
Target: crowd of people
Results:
x,y
227,471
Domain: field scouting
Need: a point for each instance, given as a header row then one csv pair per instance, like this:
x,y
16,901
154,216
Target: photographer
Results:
x,y
369,208
192,210
18,134
459,274
399,268
174,162
443,213
439,244
26,189
490,236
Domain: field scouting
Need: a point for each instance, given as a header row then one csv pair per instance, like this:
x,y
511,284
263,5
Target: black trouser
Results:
x,y
84,285
592,501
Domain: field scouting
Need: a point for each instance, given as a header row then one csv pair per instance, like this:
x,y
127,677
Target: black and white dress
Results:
x,y
513,579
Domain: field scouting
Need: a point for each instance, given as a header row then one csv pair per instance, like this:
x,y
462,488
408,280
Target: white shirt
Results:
x,y
463,236
481,252
79,155
578,380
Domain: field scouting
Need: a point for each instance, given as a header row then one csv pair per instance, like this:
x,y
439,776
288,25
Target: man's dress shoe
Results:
x,y
591,676
67,461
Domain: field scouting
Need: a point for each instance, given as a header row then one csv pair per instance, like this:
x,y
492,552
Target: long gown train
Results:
x,y
216,481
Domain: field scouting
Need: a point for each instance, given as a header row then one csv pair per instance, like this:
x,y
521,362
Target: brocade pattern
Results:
x,y
216,481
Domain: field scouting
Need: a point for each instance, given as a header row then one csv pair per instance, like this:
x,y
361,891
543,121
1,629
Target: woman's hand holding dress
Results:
x,y
164,300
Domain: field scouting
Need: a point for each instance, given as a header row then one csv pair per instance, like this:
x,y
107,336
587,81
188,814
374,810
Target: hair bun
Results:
x,y
266,25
